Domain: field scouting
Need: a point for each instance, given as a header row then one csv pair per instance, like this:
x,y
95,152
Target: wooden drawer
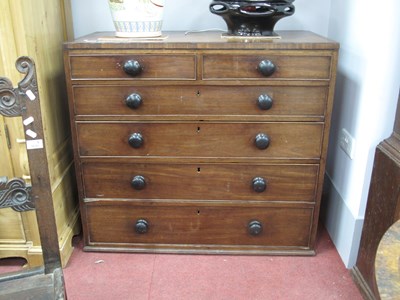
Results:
x,y
200,139
200,100
109,67
114,224
200,181
219,67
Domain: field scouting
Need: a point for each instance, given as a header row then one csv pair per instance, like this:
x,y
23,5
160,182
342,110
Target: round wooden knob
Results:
x,y
264,102
262,141
266,67
138,182
259,184
135,140
132,67
255,227
141,226
133,101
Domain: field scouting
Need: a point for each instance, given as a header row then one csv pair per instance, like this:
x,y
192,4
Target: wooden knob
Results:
x,y
259,184
262,141
141,226
138,182
266,67
133,101
135,140
264,102
255,227
132,67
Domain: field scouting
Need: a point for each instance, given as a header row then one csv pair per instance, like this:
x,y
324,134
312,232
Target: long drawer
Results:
x,y
267,182
246,67
201,139
200,100
154,66
129,224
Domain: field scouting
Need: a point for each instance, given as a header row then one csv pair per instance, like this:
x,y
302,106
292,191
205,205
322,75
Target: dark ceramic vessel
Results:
x,y
252,17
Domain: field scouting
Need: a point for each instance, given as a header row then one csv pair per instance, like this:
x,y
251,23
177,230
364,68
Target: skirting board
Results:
x,y
362,285
344,229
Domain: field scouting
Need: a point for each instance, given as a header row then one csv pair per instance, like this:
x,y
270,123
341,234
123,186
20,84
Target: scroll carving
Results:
x,y
15,194
13,100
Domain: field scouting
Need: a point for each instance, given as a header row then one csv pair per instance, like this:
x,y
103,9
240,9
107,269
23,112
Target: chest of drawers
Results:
x,y
198,144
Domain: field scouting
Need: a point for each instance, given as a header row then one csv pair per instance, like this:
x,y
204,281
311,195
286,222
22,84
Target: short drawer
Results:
x,y
201,139
246,67
267,182
162,67
200,100
127,224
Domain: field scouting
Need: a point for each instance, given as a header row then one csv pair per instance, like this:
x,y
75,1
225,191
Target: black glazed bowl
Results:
x,y
252,17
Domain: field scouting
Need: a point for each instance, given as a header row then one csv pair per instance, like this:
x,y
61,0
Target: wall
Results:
x,y
365,104
366,93
94,15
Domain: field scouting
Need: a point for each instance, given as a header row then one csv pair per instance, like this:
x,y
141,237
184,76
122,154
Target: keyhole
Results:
x,y
198,170
198,93
198,129
198,212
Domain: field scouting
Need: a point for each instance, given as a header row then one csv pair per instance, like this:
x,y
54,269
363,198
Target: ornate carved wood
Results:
x,y
24,101
16,194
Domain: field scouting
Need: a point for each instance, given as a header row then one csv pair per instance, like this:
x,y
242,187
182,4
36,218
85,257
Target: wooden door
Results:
x,y
37,29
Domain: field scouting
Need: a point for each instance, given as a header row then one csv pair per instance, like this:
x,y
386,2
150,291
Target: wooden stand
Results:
x,y
24,101
383,209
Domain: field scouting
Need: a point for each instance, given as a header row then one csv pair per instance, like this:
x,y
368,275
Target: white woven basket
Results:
x,y
137,18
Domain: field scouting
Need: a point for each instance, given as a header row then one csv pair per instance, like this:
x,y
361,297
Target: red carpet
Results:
x,y
91,275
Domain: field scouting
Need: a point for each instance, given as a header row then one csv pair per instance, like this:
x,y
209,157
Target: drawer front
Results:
x,y
200,100
200,181
245,67
167,67
186,224
202,139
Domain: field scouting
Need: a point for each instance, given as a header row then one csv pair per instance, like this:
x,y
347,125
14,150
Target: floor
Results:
x,y
91,275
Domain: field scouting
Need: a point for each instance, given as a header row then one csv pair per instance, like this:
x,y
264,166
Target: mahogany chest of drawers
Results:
x,y
198,144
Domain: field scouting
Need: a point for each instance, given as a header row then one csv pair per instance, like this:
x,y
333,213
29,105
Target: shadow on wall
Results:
x,y
344,115
335,214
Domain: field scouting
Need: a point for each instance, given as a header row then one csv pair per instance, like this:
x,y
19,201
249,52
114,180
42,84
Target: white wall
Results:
x,y
365,104
94,15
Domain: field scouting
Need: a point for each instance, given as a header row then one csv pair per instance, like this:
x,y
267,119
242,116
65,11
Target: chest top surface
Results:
x,y
290,40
